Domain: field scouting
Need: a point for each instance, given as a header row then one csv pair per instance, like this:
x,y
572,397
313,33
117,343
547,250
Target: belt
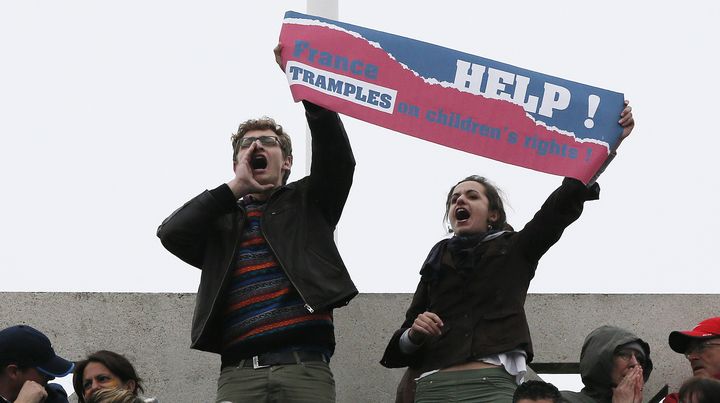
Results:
x,y
281,358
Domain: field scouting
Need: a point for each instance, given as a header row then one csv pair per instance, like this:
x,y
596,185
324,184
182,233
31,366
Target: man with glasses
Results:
x,y
614,365
271,273
27,363
701,346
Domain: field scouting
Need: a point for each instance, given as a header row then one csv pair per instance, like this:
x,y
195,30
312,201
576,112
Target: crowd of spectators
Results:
x,y
614,366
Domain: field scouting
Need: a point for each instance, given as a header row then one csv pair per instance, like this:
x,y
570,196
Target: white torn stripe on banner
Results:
x,y
343,87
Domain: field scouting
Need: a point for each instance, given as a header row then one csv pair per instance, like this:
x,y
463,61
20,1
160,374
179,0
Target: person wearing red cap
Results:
x,y
27,363
701,346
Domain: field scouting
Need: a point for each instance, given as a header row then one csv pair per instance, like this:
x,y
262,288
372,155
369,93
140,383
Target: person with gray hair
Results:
x,y
701,347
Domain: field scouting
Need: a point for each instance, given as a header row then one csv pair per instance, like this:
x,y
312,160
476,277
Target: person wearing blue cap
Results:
x,y
27,363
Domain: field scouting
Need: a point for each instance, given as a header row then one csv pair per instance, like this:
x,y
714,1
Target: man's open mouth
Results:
x,y
258,161
461,214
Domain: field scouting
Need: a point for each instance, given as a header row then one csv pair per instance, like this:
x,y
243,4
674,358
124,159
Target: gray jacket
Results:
x,y
596,363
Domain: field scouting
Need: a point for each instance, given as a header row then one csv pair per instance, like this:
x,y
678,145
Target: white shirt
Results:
x,y
513,361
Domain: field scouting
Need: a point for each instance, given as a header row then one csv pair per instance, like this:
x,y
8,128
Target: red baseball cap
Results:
x,y
707,329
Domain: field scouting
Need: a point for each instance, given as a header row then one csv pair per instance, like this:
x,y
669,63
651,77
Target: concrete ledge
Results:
x,y
153,331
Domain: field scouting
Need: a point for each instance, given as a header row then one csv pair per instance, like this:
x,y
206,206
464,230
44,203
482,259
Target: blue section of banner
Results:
x,y
440,63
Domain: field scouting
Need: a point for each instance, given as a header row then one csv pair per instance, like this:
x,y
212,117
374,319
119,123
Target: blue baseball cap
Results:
x,y
28,347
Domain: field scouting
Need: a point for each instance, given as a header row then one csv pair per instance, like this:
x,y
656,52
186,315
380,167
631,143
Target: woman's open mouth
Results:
x,y
461,214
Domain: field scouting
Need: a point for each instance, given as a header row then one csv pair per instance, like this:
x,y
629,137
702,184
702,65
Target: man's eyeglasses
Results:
x,y
699,348
627,355
267,141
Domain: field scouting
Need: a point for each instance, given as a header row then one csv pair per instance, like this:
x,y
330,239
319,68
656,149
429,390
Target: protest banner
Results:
x,y
452,98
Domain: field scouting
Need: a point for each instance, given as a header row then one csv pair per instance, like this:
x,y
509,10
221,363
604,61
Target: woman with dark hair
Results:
x,y
465,334
104,370
700,390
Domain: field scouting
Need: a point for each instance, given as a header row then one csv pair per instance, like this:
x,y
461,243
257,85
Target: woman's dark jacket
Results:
x,y
482,303
298,224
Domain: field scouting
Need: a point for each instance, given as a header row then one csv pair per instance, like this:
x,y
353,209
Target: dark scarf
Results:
x,y
461,251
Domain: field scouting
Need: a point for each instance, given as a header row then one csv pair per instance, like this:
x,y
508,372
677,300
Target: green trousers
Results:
x,y
308,382
487,385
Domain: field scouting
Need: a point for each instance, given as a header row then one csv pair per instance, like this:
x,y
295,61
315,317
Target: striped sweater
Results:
x,y
263,312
